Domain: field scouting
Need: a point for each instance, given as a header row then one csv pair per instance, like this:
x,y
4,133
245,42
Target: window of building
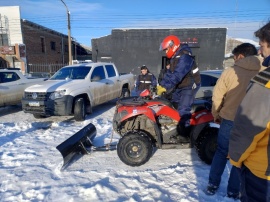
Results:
x,y
3,40
66,48
53,45
42,40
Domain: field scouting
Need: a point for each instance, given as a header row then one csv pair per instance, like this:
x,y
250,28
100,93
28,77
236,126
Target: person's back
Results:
x,y
236,79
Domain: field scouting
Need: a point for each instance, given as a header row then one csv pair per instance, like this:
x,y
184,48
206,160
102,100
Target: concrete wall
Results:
x,y
131,48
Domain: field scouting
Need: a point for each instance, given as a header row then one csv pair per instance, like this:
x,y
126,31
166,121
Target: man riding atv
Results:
x,y
183,77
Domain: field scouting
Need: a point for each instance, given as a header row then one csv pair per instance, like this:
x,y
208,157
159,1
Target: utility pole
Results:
x,y
69,37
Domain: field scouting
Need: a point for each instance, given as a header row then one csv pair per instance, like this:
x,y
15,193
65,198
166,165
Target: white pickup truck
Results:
x,y
12,85
75,89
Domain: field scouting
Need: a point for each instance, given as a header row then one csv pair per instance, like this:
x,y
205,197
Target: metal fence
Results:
x,y
44,70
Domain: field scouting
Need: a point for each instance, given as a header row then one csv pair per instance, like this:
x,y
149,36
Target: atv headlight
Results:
x,y
57,94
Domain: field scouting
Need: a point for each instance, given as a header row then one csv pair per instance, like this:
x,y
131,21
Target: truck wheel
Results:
x,y
79,109
206,144
89,109
38,116
125,93
134,149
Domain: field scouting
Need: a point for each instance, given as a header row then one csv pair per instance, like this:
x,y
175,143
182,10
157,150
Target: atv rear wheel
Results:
x,y
79,109
134,149
206,144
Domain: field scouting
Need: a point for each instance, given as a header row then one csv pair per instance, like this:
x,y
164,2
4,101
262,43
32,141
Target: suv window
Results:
x,y
207,80
110,70
6,77
98,72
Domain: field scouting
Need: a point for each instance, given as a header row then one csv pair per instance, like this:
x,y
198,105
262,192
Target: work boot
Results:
x,y
179,139
211,189
182,130
182,139
235,196
183,134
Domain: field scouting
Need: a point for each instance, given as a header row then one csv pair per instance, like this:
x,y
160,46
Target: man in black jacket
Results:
x,y
145,80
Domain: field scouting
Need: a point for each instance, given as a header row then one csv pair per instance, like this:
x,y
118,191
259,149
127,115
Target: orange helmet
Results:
x,y
170,44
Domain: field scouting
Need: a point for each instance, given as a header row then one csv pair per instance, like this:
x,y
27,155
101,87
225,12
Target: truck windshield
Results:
x,y
71,73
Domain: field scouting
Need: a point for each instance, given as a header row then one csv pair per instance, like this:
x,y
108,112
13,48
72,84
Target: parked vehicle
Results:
x,y
146,122
208,82
12,85
75,89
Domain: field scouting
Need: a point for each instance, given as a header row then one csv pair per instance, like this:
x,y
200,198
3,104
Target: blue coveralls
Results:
x,y
183,96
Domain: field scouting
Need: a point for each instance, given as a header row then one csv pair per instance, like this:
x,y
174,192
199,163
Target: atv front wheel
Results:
x,y
134,149
206,144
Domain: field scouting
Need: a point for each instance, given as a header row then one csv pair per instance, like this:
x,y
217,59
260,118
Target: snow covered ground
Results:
x,y
30,165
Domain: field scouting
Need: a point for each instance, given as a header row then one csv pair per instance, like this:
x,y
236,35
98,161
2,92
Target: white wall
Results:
x,y
14,18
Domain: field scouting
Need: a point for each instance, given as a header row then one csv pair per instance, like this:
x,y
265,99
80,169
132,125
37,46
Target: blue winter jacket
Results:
x,y
184,66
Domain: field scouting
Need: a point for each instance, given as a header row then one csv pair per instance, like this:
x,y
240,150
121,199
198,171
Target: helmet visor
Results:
x,y
161,48
165,45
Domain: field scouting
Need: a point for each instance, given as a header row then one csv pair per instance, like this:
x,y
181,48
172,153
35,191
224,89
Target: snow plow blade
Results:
x,y
77,143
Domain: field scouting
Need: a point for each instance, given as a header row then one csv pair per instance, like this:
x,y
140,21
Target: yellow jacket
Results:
x,y
249,140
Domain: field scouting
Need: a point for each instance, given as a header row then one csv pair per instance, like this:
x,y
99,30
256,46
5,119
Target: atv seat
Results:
x,y
131,101
164,101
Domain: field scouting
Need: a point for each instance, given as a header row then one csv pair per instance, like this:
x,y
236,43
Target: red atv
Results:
x,y
148,121
145,122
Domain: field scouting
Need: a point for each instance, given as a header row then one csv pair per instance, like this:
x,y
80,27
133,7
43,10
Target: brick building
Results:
x,y
44,45
34,44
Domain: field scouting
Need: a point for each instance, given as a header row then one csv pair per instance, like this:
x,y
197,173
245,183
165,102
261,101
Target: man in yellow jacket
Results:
x,y
249,144
227,95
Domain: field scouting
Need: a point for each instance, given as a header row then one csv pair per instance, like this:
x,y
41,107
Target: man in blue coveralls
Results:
x,y
183,77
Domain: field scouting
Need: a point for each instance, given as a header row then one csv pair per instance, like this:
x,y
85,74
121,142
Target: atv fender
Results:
x,y
77,143
199,128
159,135
196,132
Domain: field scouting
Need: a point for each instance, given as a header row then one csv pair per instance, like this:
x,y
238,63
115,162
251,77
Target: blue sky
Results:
x,y
93,19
